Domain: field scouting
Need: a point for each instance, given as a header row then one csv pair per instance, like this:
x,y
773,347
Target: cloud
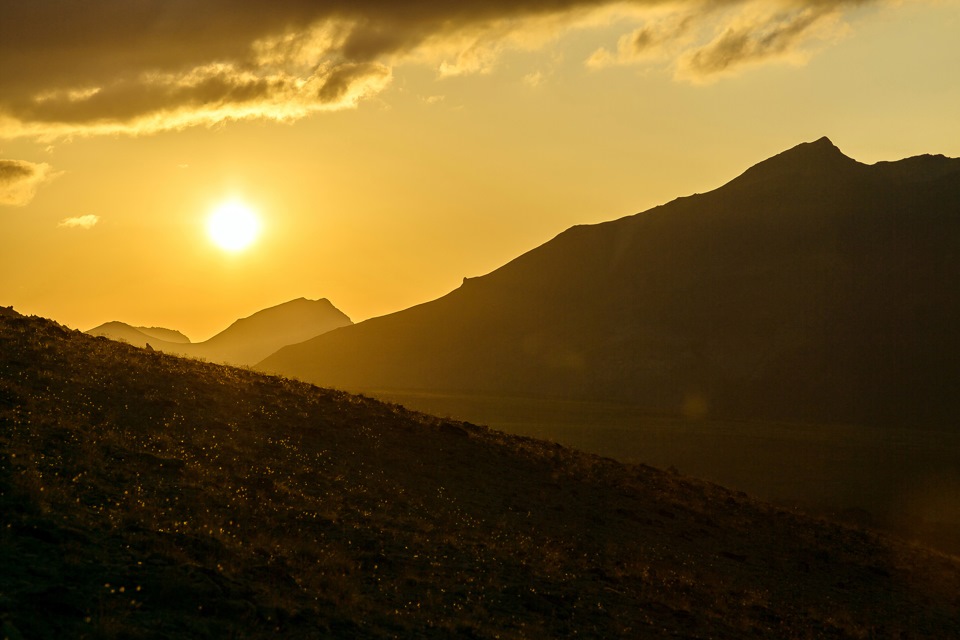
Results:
x,y
19,180
534,79
758,35
205,95
660,37
706,41
109,66
81,222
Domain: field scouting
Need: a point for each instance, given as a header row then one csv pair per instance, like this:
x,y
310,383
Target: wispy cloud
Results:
x,y
708,42
662,36
762,33
108,66
19,180
534,79
81,222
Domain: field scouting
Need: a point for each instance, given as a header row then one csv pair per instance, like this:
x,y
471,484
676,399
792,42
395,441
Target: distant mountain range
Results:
x,y
811,287
246,341
138,336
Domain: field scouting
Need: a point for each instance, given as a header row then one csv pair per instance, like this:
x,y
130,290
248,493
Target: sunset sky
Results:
x,y
389,149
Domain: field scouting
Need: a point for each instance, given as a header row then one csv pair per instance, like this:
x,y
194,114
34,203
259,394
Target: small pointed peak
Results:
x,y
294,302
817,156
822,147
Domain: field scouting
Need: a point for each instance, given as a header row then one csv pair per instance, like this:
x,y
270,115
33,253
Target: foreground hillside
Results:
x,y
811,288
147,496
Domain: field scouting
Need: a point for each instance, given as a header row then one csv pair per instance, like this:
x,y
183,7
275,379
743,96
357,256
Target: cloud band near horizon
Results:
x,y
109,66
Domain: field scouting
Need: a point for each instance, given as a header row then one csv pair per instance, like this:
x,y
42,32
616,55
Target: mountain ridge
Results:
x,y
157,333
787,293
246,340
167,335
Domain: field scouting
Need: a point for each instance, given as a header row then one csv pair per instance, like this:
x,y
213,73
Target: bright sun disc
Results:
x,y
233,226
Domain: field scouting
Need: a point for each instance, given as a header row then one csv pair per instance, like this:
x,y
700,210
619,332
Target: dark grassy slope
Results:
x,y
812,288
147,496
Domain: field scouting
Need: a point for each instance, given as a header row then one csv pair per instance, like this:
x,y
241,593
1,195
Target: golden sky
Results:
x,y
390,149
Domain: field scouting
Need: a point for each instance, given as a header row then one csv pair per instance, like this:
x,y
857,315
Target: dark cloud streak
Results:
x,y
119,65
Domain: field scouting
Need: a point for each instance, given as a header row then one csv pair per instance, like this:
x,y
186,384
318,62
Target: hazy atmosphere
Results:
x,y
385,153
480,319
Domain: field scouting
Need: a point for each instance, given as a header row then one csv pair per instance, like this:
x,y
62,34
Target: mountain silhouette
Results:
x,y
137,336
811,287
246,341
167,335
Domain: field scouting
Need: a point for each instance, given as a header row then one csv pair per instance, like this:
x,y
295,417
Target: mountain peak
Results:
x,y
821,149
818,156
822,141
251,339
301,305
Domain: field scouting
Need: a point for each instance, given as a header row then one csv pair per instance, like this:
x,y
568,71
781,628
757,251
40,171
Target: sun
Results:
x,y
233,226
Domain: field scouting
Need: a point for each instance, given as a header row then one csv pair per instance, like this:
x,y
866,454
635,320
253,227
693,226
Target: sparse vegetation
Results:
x,y
901,479
147,496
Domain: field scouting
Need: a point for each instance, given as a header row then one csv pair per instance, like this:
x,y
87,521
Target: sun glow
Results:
x,y
233,226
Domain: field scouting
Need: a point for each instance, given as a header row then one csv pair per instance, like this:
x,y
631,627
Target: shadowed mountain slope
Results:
x,y
148,496
812,287
246,341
